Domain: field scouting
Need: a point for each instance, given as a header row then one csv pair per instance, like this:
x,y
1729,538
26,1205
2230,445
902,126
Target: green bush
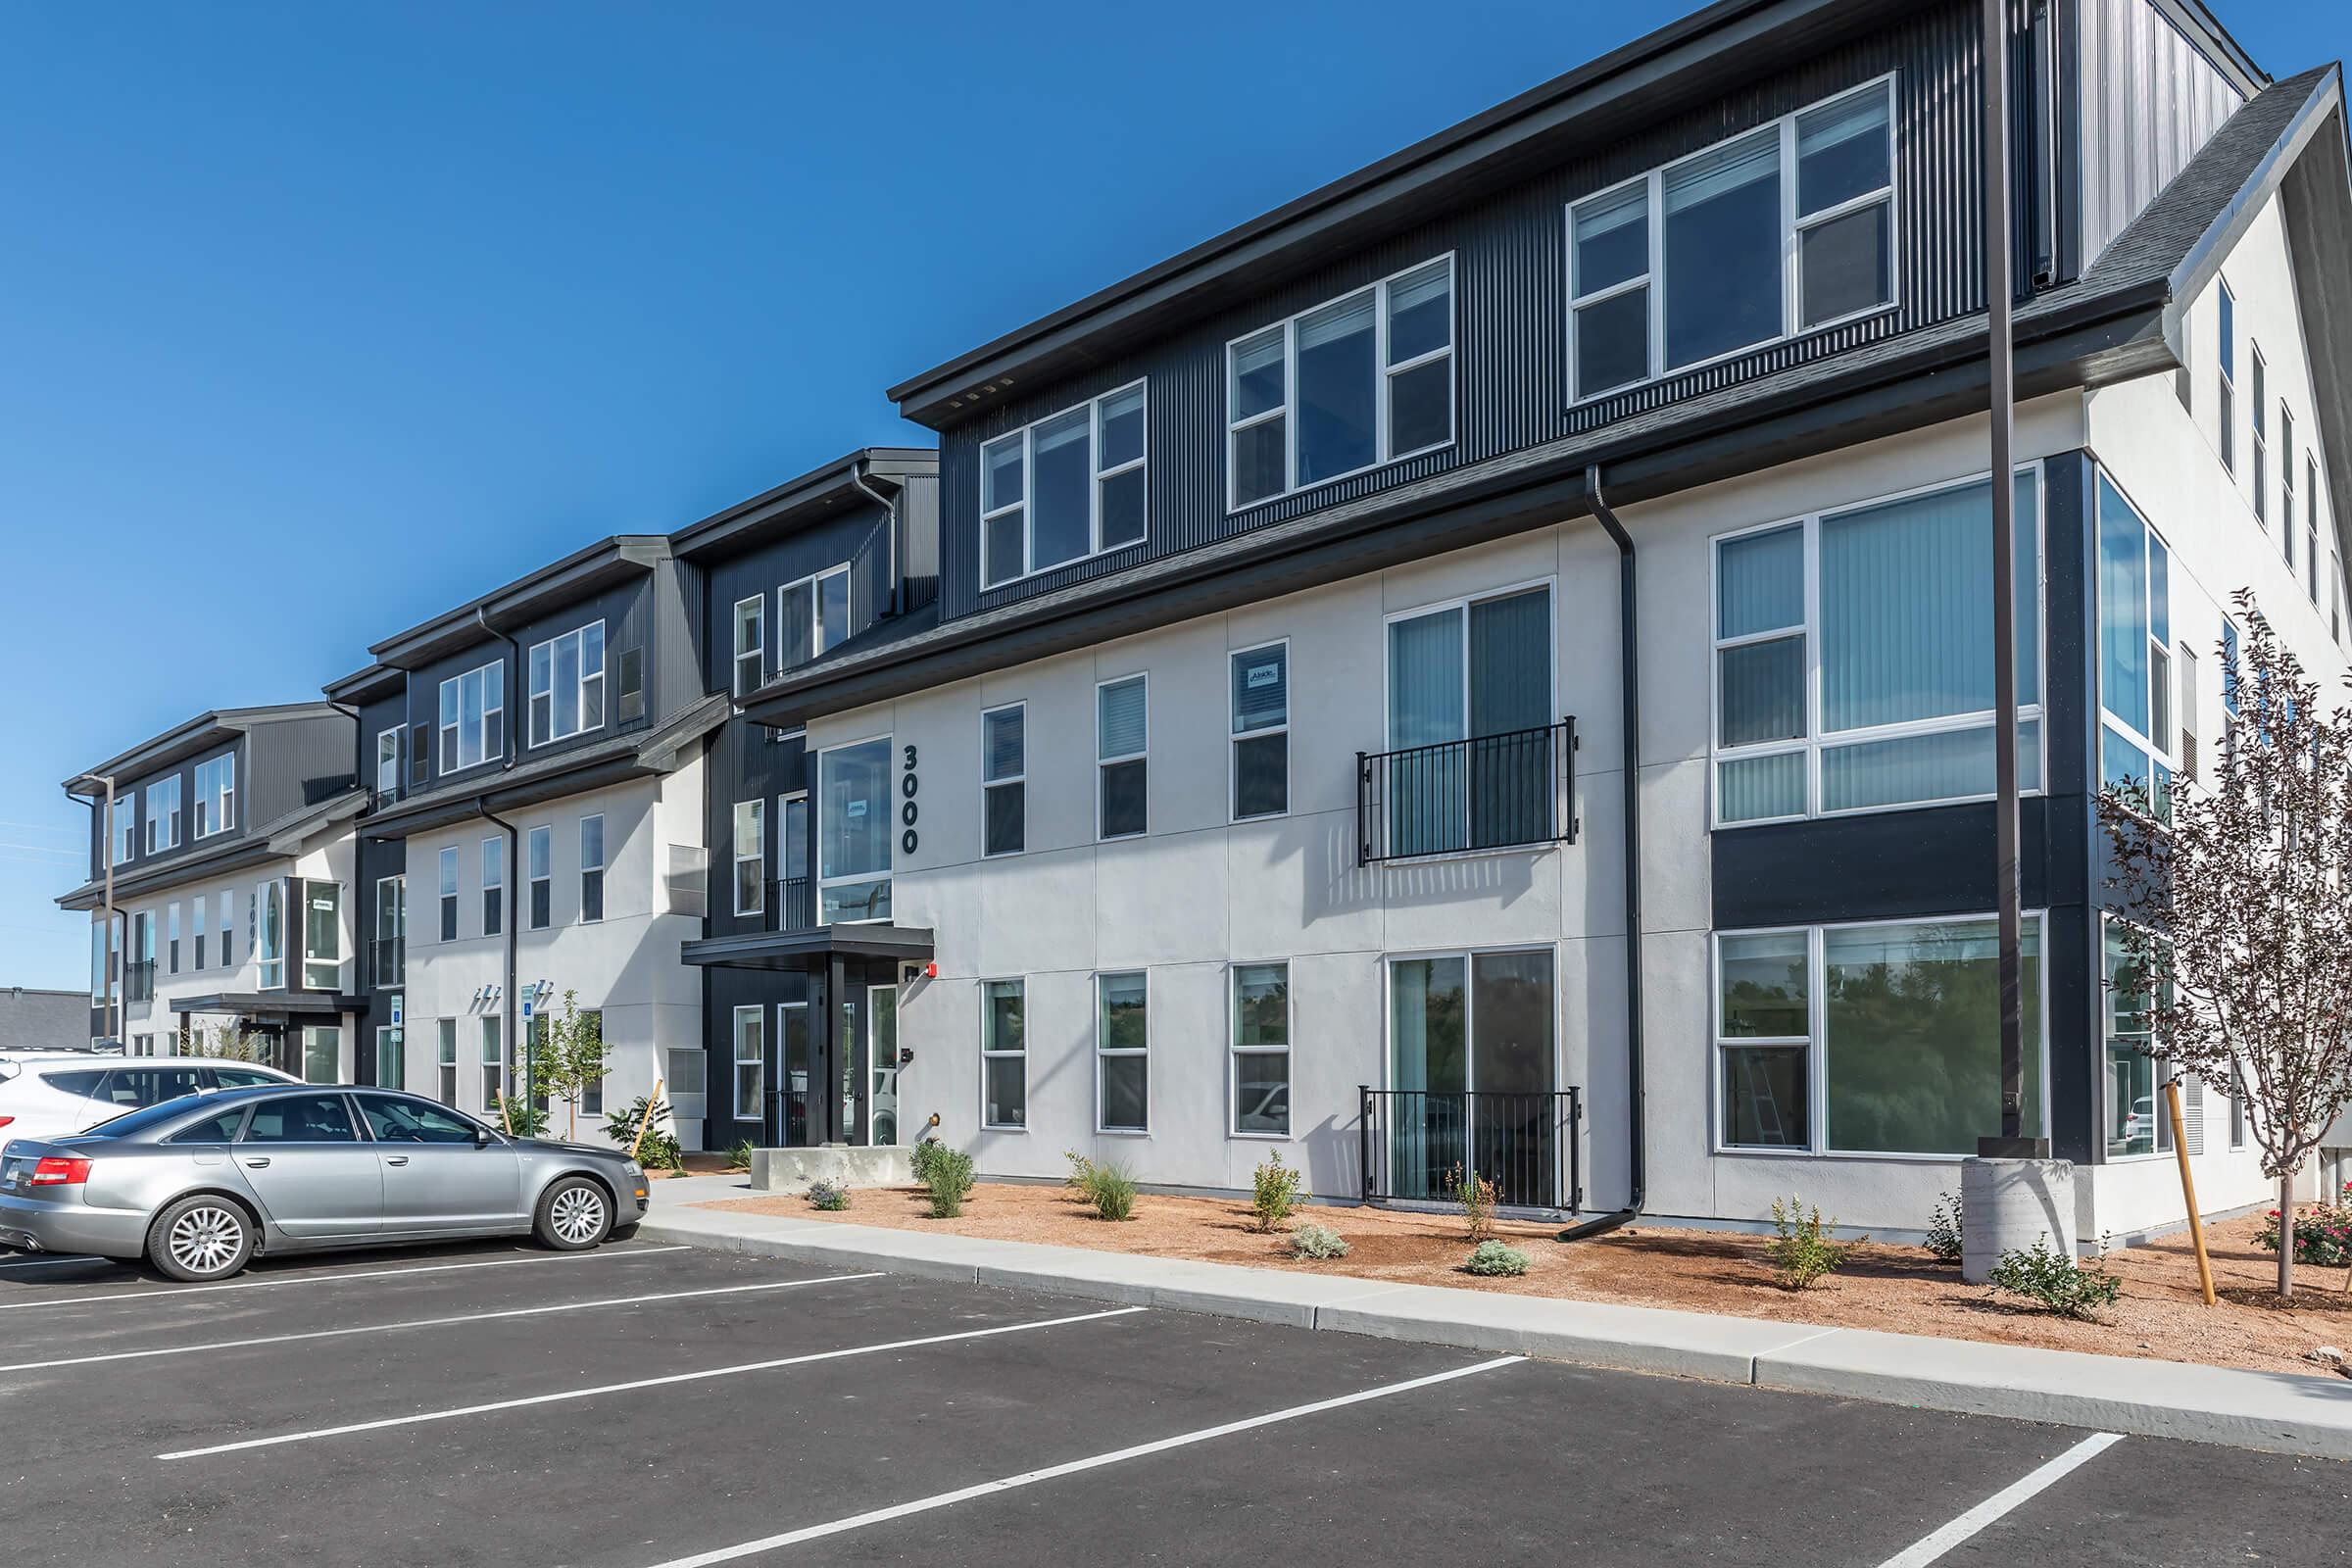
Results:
x,y
1314,1241
1280,1190
1944,1229
2042,1273
739,1156
521,1117
923,1156
828,1194
1110,1189
660,1150
1800,1249
2322,1233
1477,1197
1493,1259
1080,1180
949,1175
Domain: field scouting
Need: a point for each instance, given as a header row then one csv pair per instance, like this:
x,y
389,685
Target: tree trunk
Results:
x,y
2286,1237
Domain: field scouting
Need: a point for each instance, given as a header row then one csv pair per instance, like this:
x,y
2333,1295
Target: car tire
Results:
x,y
575,1214
200,1239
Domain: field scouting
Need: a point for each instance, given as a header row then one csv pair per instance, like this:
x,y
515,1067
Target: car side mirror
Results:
x,y
481,1137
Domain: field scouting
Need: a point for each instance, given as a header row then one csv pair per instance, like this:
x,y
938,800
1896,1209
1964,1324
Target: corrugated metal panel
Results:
x,y
2149,101
1511,388
859,535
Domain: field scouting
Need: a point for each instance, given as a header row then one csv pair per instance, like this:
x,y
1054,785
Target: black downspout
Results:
x,y
1629,703
515,1051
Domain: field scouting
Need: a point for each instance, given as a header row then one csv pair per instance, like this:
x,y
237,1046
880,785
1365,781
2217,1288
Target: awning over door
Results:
x,y
797,949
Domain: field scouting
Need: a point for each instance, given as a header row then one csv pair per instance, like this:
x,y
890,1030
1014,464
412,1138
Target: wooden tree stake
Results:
x,y
2189,1188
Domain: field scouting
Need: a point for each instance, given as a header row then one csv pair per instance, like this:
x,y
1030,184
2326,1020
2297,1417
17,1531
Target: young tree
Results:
x,y
569,1058
2237,913
234,1042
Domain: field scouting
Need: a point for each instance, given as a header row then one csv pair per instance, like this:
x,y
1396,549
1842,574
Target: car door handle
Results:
x,y
396,1159
256,1161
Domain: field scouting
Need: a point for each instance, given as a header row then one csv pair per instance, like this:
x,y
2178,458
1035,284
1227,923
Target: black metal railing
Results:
x,y
791,903
1487,792
1421,1143
138,981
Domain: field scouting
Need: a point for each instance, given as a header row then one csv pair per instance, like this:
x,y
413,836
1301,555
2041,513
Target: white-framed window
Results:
x,y
1004,1054
1470,705
592,868
536,850
750,1061
197,910
494,886
568,684
751,637
1004,779
270,934
2135,653
793,909
1353,385
2312,554
1123,1051
228,904
750,856
391,931
592,1094
321,934
2286,484
126,827
1260,1082
2261,438
1070,486
1853,655
447,865
215,795
162,815
445,1060
494,1063
813,616
391,1071
1122,742
1781,231
2224,367
387,765
1261,686
172,938
2133,1106
854,832
473,716
1875,1039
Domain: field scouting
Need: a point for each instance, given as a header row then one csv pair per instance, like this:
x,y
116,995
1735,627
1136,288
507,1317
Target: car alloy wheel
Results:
x,y
578,1215
207,1240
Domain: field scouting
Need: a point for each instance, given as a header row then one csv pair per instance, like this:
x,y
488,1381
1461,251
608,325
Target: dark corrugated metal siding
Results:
x,y
1509,251
859,535
2149,101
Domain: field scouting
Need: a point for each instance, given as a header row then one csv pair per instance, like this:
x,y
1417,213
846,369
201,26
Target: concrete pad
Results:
x,y
1634,1339
2279,1411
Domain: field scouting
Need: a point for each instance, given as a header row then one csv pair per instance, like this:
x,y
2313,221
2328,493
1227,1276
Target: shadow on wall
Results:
x,y
1332,1151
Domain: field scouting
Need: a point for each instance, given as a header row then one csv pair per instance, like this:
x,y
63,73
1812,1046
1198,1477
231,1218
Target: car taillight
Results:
x,y
60,1170
5,1120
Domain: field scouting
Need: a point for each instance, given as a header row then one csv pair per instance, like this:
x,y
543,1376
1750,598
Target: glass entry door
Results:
x,y
795,1072
882,1056
1469,761
1471,1081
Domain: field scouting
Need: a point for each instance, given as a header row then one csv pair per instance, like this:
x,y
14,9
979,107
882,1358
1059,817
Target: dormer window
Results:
x,y
813,616
162,815
473,716
568,684
215,795
1064,488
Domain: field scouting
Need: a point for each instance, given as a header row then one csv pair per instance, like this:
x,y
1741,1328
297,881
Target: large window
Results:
x,y
2135,655
1261,680
1783,230
2226,372
447,866
1122,1052
592,868
750,856
494,887
473,717
391,932
1364,380
1262,1050
126,827
163,813
536,853
751,632
215,795
568,684
1472,1073
1064,488
2134,1118
1867,1039
321,934
1854,657
1470,764
1004,779
1121,740
813,616
854,832
493,1062
750,1061
445,1059
1004,1054
268,933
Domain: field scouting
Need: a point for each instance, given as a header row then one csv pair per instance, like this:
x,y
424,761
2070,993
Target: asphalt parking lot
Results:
x,y
650,1407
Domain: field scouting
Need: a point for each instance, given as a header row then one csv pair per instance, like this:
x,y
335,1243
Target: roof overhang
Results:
x,y
271,1004
797,949
2315,187
798,502
367,685
197,736
285,839
574,577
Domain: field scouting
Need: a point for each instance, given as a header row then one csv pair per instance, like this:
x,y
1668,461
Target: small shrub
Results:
x,y
949,1178
1110,1189
1477,1197
1495,1258
660,1150
1800,1249
2044,1274
2322,1233
923,1156
1313,1240
1280,1190
1944,1230
521,1117
739,1156
1080,1180
828,1194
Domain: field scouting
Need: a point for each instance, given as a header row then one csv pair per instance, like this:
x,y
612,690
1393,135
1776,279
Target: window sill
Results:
x,y
1262,1138
1122,1132
1003,1127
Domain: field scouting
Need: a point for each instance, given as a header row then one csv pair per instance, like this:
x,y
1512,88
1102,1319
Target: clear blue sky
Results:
x,y
316,320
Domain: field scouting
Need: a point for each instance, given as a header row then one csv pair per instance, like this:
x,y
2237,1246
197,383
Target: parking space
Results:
x,y
645,1406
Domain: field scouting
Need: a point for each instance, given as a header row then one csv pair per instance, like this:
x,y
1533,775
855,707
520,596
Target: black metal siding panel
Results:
x,y
1509,256
859,535
918,528
673,678
746,764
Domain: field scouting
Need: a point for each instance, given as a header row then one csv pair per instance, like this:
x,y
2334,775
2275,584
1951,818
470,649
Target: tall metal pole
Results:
x,y
105,856
2012,1142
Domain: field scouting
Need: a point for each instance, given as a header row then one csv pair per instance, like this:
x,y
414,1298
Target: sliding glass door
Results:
x,y
1471,1075
1469,761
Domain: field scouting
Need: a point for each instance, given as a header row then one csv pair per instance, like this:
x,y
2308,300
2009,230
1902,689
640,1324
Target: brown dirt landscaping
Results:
x,y
1895,1288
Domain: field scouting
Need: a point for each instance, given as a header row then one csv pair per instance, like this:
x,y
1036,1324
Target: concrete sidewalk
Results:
x,y
2275,1411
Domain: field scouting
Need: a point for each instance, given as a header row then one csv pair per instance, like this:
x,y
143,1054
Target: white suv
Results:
x,y
47,1095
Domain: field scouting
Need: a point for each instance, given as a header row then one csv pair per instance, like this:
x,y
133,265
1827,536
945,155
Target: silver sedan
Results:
x,y
201,1186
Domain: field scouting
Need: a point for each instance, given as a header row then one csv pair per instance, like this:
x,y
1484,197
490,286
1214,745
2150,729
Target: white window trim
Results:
x,y
1383,434
890,840
385,794
2262,436
1813,742
758,855
451,734
1233,750
2286,485
541,833
2225,373
163,826
2160,1066
587,678
757,652
494,847
1793,225
2163,749
1027,505
227,798
1100,1051
988,1055
1815,1043
587,868
1235,1050
1143,757
815,584
736,1062
1020,778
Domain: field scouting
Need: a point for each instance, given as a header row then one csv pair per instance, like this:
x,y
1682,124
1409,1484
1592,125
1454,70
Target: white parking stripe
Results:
x,y
433,1322
174,1291
1030,1478
639,1383
2003,1502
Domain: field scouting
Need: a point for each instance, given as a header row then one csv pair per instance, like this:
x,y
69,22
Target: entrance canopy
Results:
x,y
798,949
271,1006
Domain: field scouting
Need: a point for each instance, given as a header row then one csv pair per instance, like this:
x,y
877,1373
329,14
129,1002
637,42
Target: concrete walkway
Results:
x,y
2277,1411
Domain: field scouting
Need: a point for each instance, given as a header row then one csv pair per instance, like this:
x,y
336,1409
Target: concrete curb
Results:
x,y
2278,1412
